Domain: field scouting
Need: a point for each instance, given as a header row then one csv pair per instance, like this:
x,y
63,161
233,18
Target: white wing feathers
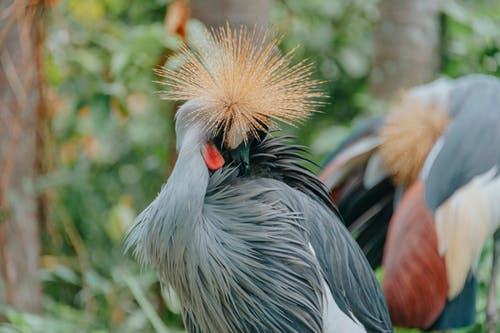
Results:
x,y
334,320
464,222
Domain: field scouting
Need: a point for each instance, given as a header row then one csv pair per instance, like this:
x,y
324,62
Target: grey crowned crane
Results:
x,y
441,152
356,174
246,236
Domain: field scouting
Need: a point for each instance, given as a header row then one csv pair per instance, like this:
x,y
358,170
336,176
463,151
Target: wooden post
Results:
x,y
215,13
407,39
19,93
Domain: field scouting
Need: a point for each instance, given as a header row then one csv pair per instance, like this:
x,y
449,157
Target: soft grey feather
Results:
x,y
244,267
236,248
345,268
470,143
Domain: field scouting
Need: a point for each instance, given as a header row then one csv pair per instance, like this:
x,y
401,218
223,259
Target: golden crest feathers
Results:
x,y
409,133
243,82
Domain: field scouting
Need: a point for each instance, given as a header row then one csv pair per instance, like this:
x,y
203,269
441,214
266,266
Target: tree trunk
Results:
x,y
407,40
215,13
19,93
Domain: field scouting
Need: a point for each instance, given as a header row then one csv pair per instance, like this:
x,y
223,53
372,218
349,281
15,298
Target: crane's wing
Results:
x,y
462,187
345,268
470,144
362,188
468,86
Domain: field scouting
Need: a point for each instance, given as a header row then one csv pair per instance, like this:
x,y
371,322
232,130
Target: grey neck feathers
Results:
x,y
164,228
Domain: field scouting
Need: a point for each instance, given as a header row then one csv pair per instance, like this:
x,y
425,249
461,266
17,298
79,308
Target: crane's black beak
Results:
x,y
241,157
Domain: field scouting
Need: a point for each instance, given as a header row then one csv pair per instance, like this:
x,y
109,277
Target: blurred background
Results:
x,y
85,142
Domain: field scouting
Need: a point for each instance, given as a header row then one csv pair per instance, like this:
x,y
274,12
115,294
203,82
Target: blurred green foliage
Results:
x,y
111,143
338,37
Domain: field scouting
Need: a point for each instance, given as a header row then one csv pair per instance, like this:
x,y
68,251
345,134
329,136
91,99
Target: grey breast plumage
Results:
x,y
248,266
274,214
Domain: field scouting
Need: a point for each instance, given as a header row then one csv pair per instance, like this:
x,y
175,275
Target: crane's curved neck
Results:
x,y
187,184
170,221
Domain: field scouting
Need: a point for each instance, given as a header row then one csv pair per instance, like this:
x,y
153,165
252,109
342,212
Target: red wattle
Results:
x,y
212,156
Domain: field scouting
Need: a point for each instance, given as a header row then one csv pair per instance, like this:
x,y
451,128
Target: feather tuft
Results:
x,y
409,133
243,82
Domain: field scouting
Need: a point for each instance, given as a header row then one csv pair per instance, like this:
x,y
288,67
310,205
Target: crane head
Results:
x,y
415,122
235,84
